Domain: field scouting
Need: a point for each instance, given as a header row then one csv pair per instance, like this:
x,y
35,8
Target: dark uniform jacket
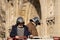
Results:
x,y
14,31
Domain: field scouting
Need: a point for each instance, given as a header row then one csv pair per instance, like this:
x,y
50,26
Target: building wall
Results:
x,y
49,15
57,20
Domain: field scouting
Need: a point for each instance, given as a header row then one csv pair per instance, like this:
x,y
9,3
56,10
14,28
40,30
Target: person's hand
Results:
x,y
17,37
31,36
10,38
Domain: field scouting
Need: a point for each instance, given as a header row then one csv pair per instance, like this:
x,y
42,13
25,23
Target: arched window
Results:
x,y
36,4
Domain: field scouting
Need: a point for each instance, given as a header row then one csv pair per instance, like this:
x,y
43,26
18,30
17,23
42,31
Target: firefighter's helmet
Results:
x,y
36,20
20,20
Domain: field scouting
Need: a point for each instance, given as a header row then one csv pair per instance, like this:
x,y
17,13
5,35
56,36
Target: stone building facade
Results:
x,y
47,10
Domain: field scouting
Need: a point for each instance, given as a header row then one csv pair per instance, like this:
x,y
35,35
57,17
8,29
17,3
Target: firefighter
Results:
x,y
19,29
32,26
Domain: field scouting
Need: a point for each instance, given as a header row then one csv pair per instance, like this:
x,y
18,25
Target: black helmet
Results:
x,y
35,20
20,20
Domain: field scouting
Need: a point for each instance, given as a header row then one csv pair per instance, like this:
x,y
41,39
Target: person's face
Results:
x,y
21,24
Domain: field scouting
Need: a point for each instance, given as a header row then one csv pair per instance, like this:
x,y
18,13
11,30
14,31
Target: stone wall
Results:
x,y
48,12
